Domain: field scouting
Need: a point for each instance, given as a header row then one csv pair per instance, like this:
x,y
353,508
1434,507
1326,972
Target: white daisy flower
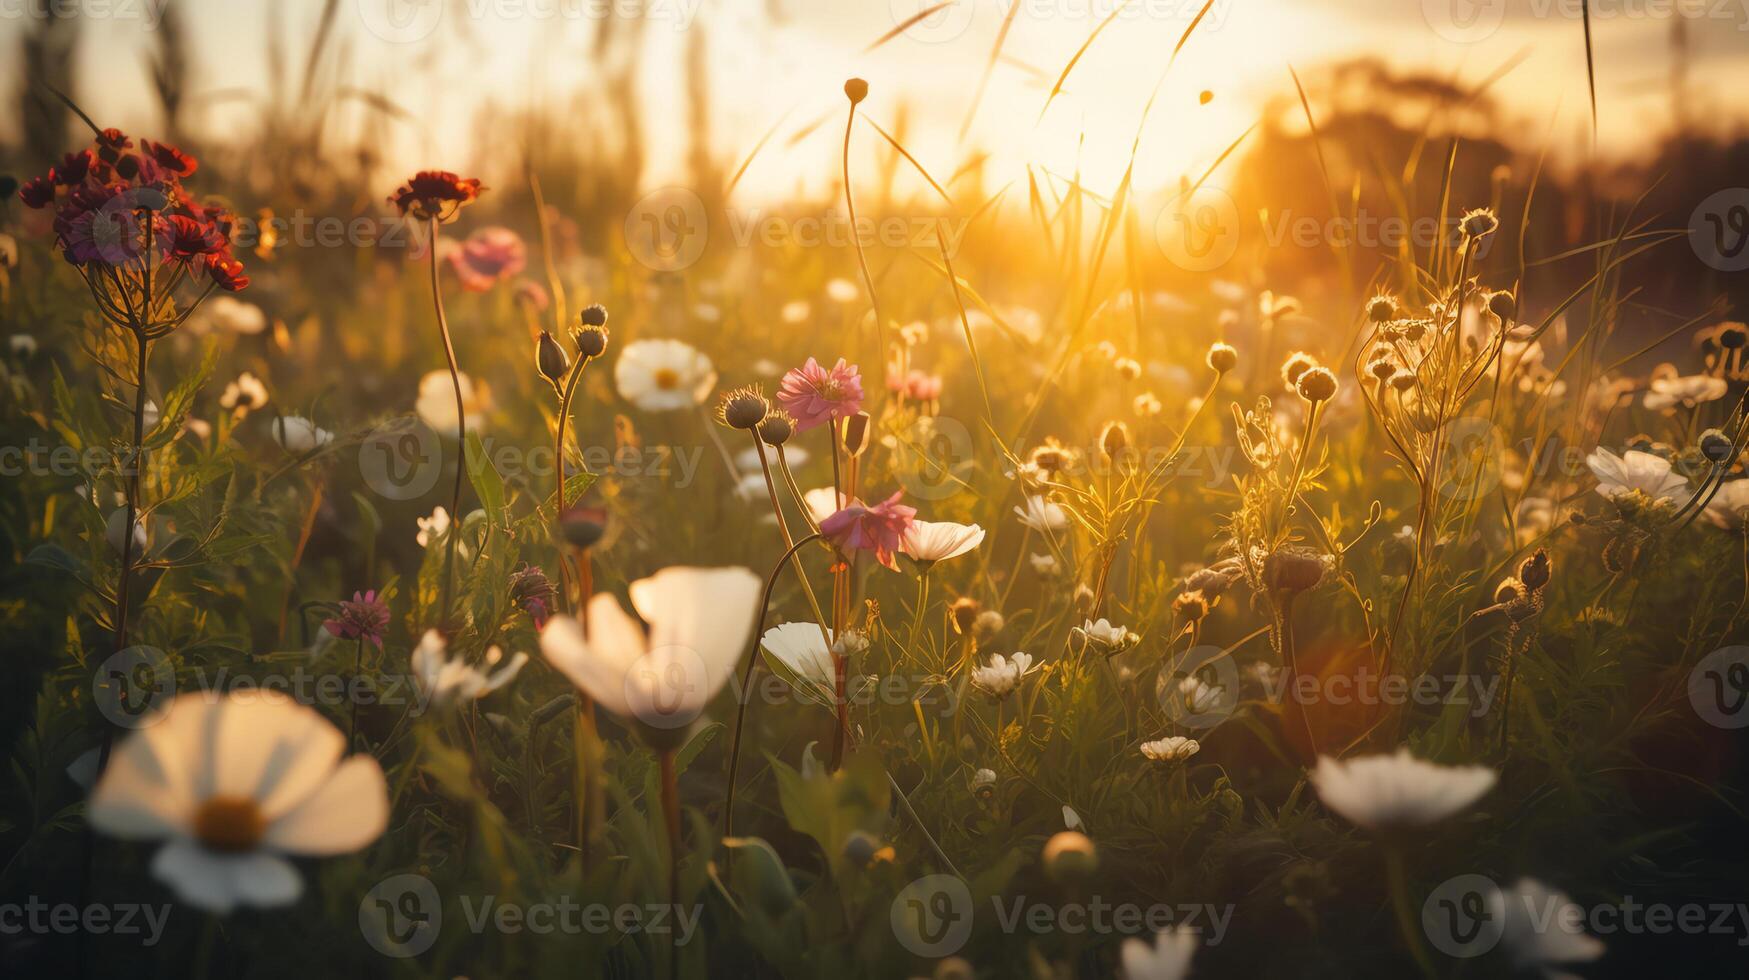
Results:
x,y
227,313
443,681
232,782
1388,792
1636,470
1002,675
244,395
1177,748
1730,506
663,375
1687,391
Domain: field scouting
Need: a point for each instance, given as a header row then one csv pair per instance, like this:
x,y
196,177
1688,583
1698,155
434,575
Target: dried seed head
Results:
x,y
591,341
1222,358
1536,570
593,316
1479,222
1715,446
1382,367
1293,569
550,358
1051,456
777,427
1192,606
1128,368
1317,385
1503,305
1382,308
1297,363
987,624
856,90
743,408
1733,336
1403,382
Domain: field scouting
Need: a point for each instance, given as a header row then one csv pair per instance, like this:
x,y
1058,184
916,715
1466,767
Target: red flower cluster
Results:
x,y
106,195
435,194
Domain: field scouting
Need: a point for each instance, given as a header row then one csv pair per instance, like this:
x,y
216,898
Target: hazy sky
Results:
x,y
769,57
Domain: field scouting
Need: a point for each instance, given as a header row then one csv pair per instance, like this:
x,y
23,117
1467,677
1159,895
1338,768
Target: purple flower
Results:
x,y
880,529
364,616
530,589
815,395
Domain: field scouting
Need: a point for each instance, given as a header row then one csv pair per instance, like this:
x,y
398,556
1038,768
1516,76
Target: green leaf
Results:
x,y
487,483
174,412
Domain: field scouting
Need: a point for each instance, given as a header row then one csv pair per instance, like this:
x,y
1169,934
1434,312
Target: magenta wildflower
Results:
x,y
880,528
815,395
364,616
530,589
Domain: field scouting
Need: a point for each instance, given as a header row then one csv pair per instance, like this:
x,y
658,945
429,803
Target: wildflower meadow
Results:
x,y
948,490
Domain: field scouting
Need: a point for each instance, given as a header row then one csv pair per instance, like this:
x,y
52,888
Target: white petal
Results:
x,y
597,666
345,813
706,611
202,878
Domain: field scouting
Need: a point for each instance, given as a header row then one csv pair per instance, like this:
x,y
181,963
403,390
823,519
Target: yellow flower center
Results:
x,y
229,824
667,379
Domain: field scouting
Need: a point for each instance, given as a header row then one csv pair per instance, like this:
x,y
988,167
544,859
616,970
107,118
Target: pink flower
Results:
x,y
815,396
488,257
880,529
365,616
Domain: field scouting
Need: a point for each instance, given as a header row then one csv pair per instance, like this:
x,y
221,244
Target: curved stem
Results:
x,y
742,696
461,430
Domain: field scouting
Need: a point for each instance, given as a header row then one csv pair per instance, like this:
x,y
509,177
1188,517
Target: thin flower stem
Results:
x,y
783,529
453,538
861,256
747,681
357,671
1406,922
671,817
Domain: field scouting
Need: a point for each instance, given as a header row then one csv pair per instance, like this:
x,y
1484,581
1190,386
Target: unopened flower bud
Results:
x,y
1115,439
1536,570
582,527
856,434
964,611
1503,305
590,341
856,90
1222,358
550,358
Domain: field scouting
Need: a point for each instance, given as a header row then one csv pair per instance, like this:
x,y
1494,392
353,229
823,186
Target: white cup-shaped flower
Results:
x,y
1398,792
1042,515
928,542
1167,958
804,660
233,782
659,680
298,435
